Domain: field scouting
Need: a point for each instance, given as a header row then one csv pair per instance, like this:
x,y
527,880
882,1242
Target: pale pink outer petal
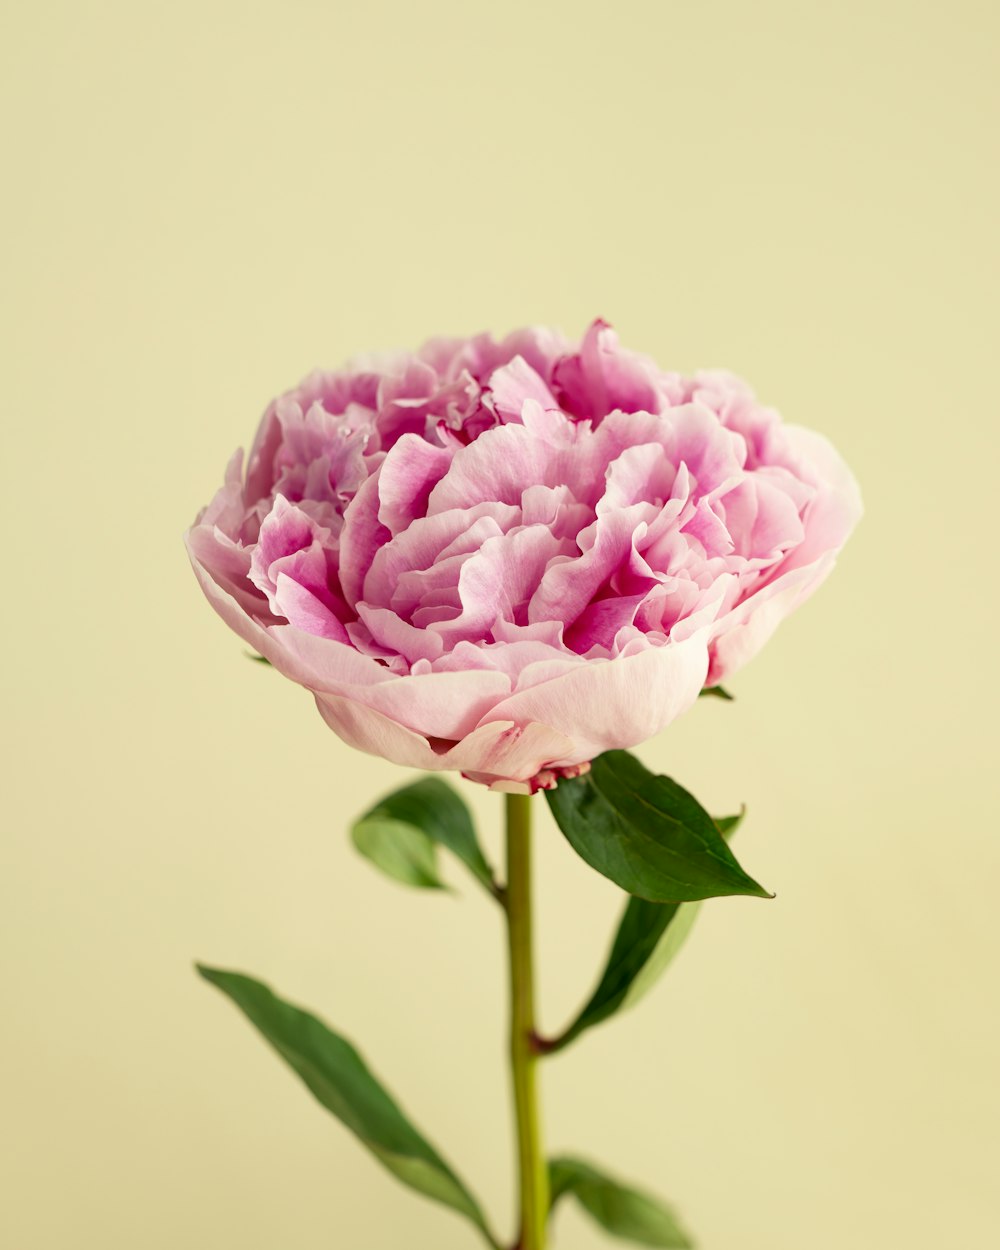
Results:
x,y
505,785
227,507
333,665
503,750
837,507
604,704
228,565
253,632
319,663
437,705
495,752
503,755
829,520
511,758
743,631
370,731
444,705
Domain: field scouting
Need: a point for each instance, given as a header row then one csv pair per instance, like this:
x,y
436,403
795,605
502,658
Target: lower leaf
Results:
x,y
401,833
648,938
621,1210
338,1078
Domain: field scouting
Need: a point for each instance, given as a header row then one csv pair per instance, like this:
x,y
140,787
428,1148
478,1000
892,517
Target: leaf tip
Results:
x,y
214,976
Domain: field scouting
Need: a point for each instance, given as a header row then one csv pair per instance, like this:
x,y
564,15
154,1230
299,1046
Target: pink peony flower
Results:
x,y
506,558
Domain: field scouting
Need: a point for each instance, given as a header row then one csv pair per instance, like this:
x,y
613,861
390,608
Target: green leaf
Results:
x,y
402,851
337,1076
257,659
646,833
400,833
622,1211
716,692
648,933
648,938
727,825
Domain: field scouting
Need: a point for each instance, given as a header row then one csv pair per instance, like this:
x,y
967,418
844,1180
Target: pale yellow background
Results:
x,y
203,201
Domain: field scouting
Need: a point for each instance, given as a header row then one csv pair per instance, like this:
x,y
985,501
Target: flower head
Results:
x,y
508,557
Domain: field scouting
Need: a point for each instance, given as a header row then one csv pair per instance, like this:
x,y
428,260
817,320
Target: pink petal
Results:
x,y
741,633
227,563
515,383
409,472
605,704
603,377
398,636
569,584
498,581
438,705
305,610
496,467
362,536
425,541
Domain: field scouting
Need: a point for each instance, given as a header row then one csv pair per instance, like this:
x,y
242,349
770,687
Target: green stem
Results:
x,y
533,1176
